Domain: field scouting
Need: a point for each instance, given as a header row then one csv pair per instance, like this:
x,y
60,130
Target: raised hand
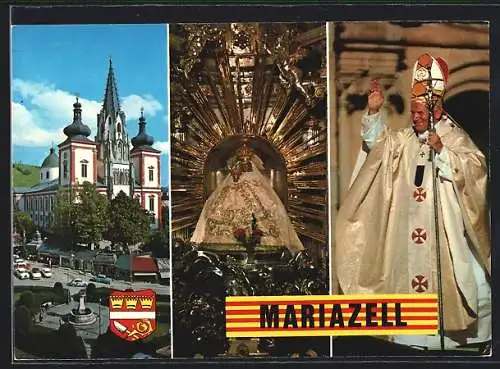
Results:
x,y
375,98
434,141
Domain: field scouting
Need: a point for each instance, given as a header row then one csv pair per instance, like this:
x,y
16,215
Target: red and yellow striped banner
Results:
x,y
331,315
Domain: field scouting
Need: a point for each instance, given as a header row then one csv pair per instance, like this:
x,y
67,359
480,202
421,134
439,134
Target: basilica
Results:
x,y
112,161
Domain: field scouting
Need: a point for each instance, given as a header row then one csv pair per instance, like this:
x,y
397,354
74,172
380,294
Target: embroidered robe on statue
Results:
x,y
385,237
231,205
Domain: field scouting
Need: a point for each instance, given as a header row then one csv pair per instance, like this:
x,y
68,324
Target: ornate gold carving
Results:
x,y
227,82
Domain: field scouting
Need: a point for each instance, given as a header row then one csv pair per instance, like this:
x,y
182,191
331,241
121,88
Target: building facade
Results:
x,y
111,161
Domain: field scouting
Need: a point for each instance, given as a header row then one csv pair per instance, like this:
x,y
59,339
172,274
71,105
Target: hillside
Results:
x,y
24,175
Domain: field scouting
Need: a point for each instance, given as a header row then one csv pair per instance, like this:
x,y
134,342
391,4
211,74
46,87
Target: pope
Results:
x,y
385,229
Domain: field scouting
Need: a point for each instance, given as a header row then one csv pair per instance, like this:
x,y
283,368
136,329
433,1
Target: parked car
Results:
x,y
36,273
101,278
20,263
77,282
46,272
22,273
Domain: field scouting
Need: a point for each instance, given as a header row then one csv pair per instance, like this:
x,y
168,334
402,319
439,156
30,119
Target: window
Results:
x,y
151,203
41,176
151,174
122,178
84,168
47,175
119,128
65,169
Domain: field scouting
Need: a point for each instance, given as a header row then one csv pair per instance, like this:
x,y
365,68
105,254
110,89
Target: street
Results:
x,y
65,275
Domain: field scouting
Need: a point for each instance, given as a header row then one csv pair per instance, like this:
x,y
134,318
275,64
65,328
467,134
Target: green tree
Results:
x,y
70,345
129,223
158,244
90,212
166,221
91,292
58,289
27,299
62,228
23,224
23,320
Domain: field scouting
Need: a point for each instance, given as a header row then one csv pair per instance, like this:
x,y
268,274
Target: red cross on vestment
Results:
x,y
419,236
419,283
419,194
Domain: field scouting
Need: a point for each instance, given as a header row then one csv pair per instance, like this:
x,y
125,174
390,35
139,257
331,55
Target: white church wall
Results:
x,y
84,154
151,161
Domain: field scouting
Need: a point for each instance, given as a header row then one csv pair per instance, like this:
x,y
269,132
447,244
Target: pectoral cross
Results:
x,y
422,154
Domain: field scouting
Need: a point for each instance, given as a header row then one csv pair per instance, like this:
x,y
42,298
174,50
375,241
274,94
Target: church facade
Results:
x,y
112,161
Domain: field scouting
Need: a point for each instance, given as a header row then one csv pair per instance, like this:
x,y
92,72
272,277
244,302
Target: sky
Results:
x,y
51,64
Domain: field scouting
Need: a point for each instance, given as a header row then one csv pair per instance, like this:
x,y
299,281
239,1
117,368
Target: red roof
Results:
x,y
145,264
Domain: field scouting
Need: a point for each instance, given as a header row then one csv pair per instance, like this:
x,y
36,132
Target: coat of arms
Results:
x,y
132,315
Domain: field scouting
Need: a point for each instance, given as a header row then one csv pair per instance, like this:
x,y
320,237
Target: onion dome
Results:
x,y
52,160
77,129
142,139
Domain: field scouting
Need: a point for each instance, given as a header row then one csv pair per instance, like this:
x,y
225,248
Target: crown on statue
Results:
x,y
244,152
131,302
116,302
146,302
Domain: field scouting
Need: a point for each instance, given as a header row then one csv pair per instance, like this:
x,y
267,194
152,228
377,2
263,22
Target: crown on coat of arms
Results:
x,y
131,302
116,302
146,302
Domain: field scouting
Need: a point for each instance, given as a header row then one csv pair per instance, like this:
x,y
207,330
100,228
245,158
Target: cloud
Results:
x,y
25,131
42,111
163,146
132,105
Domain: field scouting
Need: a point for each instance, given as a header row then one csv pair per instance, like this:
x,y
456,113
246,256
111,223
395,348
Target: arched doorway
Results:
x,y
470,109
274,163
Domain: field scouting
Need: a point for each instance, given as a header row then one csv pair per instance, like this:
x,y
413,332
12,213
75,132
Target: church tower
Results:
x,y
145,171
77,154
113,144
49,170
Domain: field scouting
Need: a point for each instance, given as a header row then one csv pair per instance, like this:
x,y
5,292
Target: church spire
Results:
x,y
111,100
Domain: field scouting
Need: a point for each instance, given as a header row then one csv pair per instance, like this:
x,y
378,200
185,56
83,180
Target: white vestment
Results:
x,y
421,254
